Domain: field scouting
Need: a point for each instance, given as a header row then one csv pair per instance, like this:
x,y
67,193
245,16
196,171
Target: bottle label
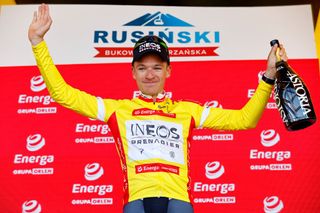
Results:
x,y
279,105
301,93
292,97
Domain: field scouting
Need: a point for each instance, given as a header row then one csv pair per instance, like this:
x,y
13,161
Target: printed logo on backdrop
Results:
x,y
214,170
35,142
158,19
93,171
31,206
272,205
276,160
271,103
93,133
183,38
269,137
210,189
37,84
207,135
33,164
37,102
92,192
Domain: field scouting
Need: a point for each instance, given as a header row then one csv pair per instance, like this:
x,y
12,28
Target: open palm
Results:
x,y
40,24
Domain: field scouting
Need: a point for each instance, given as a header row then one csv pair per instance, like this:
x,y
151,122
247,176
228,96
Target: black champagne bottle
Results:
x,y
292,97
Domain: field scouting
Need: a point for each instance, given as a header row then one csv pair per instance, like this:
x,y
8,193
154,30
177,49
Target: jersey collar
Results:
x,y
148,98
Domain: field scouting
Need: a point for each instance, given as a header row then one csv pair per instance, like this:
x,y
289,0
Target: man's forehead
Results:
x,y
149,63
151,56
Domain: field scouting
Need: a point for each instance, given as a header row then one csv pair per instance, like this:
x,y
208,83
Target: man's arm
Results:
x,y
249,115
59,90
245,118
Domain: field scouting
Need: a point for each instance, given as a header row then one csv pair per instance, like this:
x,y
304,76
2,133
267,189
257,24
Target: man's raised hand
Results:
x,y
40,24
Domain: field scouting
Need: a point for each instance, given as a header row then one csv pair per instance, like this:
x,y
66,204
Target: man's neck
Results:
x,y
154,98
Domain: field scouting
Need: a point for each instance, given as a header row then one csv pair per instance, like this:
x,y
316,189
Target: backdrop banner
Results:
x,y
54,160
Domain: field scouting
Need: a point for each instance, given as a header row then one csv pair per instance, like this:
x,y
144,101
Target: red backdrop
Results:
x,y
46,151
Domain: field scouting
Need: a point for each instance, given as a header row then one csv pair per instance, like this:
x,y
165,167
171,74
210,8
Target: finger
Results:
x,y
283,54
273,50
39,11
47,13
282,50
34,19
47,9
42,11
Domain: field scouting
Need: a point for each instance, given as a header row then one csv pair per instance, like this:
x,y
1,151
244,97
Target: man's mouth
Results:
x,y
150,82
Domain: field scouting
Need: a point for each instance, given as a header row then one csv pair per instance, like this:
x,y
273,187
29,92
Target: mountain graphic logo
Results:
x,y
158,19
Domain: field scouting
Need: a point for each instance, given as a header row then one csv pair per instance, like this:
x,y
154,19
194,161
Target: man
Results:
x,y
152,131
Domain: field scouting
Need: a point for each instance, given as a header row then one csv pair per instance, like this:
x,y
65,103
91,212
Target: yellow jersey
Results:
x,y
152,136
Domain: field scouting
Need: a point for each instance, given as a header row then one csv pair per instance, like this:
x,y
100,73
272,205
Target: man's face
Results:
x,y
150,74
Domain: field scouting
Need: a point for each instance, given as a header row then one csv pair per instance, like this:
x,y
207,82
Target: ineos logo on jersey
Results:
x,y
272,204
37,84
269,137
35,142
154,129
214,170
148,139
93,171
31,206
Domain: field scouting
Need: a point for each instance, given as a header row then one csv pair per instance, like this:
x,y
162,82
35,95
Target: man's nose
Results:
x,y
150,74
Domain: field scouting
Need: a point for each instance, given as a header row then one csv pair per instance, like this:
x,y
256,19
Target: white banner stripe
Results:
x,y
229,31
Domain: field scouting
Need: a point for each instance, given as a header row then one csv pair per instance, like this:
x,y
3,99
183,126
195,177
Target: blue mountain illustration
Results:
x,y
158,19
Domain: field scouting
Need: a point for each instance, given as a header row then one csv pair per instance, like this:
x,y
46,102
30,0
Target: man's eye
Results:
x,y
141,68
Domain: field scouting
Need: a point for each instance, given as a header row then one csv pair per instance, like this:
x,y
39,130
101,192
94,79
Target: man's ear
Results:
x,y
133,72
168,71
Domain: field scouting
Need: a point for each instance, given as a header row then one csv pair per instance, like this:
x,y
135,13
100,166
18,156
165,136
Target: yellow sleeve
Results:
x,y
66,95
245,118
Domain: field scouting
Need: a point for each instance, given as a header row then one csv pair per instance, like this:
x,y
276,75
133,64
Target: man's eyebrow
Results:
x,y
140,65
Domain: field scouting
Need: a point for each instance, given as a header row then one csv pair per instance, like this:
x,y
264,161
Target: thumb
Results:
x,y
274,48
273,51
